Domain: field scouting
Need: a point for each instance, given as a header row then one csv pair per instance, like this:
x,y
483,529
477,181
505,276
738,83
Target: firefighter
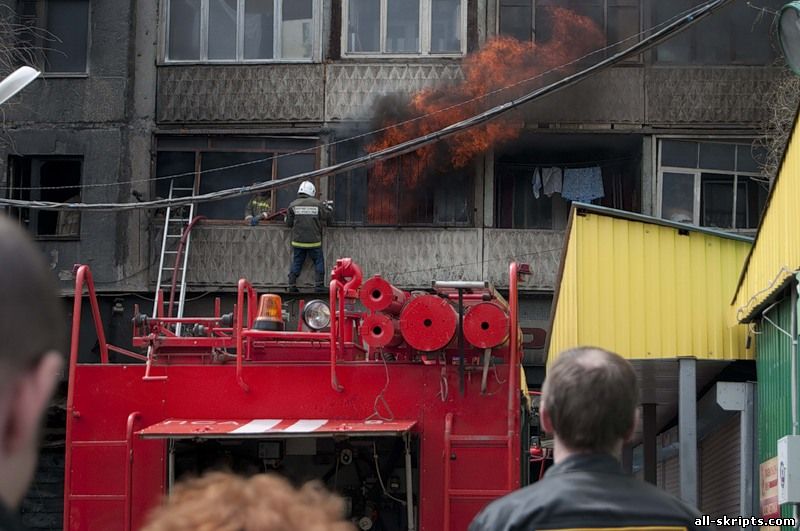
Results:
x,y
306,216
32,332
257,209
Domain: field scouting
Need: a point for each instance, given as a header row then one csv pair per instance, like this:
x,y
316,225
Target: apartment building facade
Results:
x,y
217,94
224,93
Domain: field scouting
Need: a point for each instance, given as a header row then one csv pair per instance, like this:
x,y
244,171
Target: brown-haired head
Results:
x,y
590,396
31,315
222,501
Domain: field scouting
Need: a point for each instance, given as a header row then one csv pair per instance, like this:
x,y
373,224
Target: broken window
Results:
x,y
397,194
242,30
211,164
60,31
711,184
400,27
736,34
528,20
56,179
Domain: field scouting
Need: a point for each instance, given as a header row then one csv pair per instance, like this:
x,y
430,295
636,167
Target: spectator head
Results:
x,y
589,401
222,501
31,333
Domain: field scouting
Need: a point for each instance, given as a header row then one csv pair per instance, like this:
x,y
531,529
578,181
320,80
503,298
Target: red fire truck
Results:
x,y
409,405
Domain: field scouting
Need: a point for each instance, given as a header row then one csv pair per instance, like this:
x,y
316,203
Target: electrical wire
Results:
x,y
781,275
374,131
381,399
380,479
398,149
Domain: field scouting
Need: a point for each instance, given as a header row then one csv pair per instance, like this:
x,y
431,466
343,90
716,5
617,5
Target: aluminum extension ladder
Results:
x,y
175,240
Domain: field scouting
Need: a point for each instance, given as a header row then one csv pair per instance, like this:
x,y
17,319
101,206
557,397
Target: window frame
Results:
x,y
425,13
41,22
35,194
205,144
316,37
697,174
605,7
648,15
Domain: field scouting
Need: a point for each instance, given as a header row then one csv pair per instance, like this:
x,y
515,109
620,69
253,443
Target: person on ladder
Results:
x,y
306,216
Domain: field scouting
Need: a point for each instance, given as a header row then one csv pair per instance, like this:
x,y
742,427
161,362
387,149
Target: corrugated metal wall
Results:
x,y
775,252
564,330
773,364
720,470
648,290
668,473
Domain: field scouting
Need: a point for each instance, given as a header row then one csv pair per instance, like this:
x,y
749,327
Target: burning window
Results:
x,y
209,164
396,193
60,30
737,34
712,184
398,27
532,20
46,179
242,30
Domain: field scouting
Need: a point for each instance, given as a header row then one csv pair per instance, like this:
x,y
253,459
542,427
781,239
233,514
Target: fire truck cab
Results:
x,y
408,405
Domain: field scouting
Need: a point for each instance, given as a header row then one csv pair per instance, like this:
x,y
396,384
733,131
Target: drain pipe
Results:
x,y
793,331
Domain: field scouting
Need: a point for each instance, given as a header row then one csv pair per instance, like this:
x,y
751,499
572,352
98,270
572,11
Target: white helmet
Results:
x,y
307,187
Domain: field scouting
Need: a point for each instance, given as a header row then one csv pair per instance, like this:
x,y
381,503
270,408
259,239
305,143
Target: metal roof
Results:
x,y
775,255
647,288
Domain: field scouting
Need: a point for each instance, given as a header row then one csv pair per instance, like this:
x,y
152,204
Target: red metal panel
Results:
x,y
486,477
107,394
465,509
237,428
98,469
96,514
149,478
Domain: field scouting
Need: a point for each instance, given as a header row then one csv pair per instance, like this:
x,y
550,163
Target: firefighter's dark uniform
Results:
x,y
306,215
256,209
588,491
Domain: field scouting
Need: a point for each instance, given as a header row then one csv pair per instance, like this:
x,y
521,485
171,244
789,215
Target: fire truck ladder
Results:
x,y
175,241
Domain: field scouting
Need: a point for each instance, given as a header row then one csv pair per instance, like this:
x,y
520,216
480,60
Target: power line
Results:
x,y
358,136
361,135
398,149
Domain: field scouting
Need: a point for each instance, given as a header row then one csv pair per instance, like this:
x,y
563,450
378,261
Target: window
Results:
x,y
386,197
46,179
210,164
528,20
403,27
241,30
712,184
517,208
737,34
60,31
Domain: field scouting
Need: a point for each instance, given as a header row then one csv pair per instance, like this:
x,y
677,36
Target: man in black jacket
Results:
x,y
31,328
589,402
306,216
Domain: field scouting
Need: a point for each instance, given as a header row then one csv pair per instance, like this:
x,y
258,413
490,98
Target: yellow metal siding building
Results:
x,y
776,250
647,288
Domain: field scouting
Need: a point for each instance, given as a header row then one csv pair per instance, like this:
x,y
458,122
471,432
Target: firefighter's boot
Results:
x,y
293,283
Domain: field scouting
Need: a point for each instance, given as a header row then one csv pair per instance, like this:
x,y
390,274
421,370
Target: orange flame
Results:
x,y
503,62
